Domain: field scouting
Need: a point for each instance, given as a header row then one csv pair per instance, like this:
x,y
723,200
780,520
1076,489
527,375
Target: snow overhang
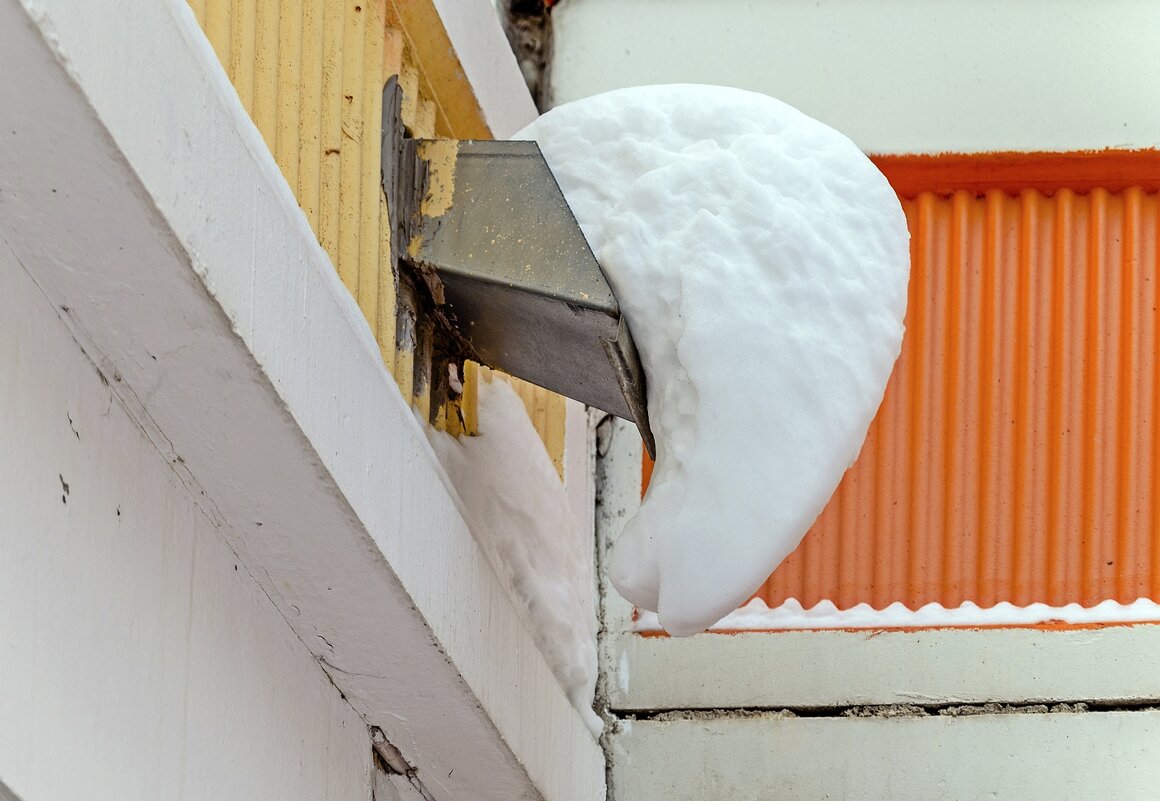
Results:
x,y
137,194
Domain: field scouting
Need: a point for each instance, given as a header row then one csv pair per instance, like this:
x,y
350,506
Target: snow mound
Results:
x,y
519,515
761,261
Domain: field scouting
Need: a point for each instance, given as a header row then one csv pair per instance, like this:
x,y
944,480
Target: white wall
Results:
x,y
1110,756
138,659
135,191
897,76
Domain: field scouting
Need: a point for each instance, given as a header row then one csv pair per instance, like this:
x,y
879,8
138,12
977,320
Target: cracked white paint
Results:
x,y
131,636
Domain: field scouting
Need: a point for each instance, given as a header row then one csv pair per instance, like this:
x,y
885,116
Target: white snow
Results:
x,y
519,514
761,261
756,616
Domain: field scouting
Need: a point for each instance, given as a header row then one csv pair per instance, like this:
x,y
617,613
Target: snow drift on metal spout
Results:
x,y
762,262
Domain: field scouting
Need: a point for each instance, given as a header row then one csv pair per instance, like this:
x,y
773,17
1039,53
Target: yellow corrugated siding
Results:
x,y
331,140
243,15
311,73
216,23
266,45
350,151
369,183
309,188
546,409
198,8
288,95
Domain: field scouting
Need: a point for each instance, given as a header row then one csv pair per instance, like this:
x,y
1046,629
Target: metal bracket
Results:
x,y
509,274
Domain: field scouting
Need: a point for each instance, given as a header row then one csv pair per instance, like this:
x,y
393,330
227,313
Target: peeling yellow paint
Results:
x,y
425,120
409,82
413,246
547,411
443,81
441,156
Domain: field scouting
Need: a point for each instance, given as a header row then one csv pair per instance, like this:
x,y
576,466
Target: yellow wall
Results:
x,y
311,74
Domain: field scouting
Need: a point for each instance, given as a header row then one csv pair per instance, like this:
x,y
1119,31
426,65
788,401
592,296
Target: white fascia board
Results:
x,y
474,28
1031,757
138,195
813,669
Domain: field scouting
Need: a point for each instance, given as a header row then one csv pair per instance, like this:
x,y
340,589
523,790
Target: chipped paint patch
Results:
x,y
441,156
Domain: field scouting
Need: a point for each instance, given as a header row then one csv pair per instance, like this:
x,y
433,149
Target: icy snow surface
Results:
x,y
756,616
761,261
519,514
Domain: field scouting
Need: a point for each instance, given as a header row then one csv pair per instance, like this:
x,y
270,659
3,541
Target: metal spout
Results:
x,y
511,274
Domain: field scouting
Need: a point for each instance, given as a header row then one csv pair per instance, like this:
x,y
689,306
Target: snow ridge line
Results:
x,y
791,615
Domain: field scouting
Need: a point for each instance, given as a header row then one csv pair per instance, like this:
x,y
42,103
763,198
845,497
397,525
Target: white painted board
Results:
x,y
1112,756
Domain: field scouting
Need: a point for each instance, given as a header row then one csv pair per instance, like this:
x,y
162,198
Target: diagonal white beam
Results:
x,y
137,194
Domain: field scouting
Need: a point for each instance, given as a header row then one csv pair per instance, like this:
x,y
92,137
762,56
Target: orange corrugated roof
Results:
x,y
1016,455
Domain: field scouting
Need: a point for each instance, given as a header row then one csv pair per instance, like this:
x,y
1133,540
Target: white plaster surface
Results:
x,y
842,668
489,64
199,292
138,658
896,76
1111,756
